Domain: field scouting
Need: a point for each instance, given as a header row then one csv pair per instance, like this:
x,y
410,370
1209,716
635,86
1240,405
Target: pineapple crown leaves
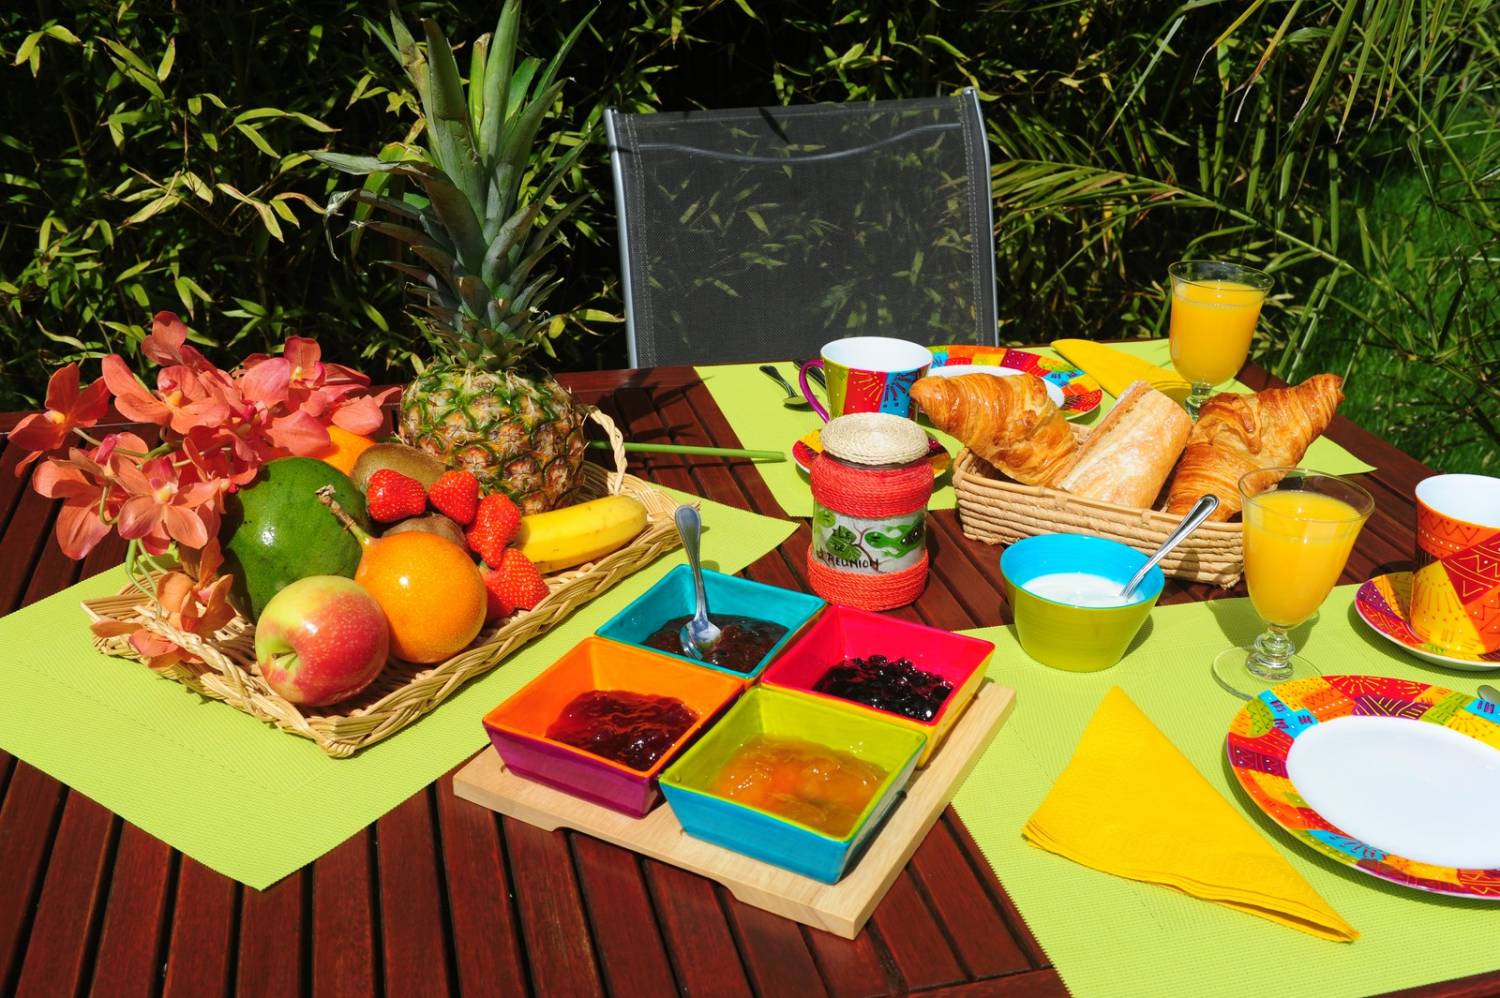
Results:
x,y
480,242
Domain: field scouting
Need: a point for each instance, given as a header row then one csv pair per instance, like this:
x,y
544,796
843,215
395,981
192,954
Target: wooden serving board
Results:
x,y
840,908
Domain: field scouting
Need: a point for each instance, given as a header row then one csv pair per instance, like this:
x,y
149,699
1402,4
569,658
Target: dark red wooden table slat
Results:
x,y
486,942
201,950
126,962
697,932
414,943
559,945
344,959
441,896
632,954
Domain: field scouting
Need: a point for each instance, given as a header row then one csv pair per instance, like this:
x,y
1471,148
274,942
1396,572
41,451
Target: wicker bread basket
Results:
x,y
403,692
996,510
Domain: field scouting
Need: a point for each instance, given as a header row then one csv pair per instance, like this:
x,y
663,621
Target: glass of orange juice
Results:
x,y
1299,527
1214,309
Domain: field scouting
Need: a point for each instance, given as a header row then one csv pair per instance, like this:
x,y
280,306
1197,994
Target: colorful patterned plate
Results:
x,y
1081,395
1375,773
1382,604
810,446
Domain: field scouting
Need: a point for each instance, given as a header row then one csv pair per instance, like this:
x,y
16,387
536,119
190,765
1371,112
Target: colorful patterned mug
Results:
x,y
867,374
1455,591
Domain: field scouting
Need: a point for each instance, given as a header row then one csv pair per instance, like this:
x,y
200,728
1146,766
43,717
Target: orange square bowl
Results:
x,y
842,632
518,727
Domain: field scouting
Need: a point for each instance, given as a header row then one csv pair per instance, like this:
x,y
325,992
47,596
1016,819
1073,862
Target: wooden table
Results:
x,y
440,896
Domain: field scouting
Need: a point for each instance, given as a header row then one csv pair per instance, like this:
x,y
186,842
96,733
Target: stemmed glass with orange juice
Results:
x,y
1299,527
1214,310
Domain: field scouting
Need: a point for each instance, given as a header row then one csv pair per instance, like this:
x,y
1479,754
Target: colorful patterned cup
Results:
x,y
867,374
1455,591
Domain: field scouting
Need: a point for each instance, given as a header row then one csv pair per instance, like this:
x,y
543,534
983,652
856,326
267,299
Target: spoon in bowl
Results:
x,y
794,399
699,636
1201,511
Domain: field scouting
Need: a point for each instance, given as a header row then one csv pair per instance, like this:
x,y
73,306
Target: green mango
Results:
x,y
276,530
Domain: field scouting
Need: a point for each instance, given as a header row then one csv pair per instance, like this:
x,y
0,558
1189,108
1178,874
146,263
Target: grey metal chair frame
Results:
x,y
619,131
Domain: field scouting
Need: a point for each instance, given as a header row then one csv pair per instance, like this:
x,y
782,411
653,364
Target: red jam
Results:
x,y
743,641
899,686
633,729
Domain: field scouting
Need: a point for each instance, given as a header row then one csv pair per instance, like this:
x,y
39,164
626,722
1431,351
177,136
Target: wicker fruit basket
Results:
x,y
402,693
996,510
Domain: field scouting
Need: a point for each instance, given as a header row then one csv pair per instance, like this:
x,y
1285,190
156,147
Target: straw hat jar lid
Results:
x,y
874,438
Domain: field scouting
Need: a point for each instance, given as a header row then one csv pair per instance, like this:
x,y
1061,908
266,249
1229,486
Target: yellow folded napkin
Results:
x,y
1116,369
1130,804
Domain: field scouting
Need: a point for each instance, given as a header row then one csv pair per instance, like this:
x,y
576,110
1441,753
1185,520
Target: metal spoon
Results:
x,y
1488,692
699,635
794,399
1194,519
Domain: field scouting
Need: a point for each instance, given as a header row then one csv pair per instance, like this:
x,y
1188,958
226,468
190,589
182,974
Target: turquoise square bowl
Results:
x,y
769,837
727,594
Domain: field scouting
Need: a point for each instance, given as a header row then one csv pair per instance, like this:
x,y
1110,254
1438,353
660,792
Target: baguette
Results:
x,y
1126,459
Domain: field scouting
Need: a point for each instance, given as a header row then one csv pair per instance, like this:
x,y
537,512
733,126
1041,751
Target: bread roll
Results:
x,y
1126,458
1236,434
1008,421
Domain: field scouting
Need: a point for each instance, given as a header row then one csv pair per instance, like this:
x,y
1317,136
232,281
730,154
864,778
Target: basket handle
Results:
x,y
616,478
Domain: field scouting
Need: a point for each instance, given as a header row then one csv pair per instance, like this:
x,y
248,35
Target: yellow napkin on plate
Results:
x,y
1130,804
1116,369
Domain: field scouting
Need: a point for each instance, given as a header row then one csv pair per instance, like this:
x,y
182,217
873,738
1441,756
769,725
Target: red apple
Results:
x,y
320,640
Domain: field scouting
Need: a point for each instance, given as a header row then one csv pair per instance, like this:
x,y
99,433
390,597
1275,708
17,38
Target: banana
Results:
x,y
570,536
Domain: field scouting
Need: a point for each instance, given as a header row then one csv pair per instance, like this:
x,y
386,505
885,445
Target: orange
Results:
x,y
430,591
344,448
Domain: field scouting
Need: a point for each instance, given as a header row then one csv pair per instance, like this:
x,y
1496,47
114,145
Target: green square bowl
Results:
x,y
769,837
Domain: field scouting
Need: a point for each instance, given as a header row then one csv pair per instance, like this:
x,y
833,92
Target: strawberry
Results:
x,y
494,525
514,585
391,496
456,495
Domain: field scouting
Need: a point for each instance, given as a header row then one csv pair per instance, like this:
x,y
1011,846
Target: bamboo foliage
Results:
x,y
1347,145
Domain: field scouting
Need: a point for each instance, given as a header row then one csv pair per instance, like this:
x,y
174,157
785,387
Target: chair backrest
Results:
x,y
763,233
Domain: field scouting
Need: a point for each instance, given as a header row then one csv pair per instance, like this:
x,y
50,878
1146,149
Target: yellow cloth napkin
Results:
x,y
1130,804
1116,369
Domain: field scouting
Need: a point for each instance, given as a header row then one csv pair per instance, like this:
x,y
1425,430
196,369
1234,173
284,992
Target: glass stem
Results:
x,y
1270,656
1197,397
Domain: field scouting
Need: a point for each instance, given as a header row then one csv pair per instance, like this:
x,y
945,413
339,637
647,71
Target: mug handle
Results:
x,y
807,392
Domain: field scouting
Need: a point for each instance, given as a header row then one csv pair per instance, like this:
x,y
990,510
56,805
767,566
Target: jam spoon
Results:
x,y
699,636
1194,519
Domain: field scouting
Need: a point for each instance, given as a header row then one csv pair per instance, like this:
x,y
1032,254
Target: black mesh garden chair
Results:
x,y
762,233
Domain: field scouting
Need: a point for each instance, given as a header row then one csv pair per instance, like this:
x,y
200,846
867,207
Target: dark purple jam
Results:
x,y
898,687
633,729
743,641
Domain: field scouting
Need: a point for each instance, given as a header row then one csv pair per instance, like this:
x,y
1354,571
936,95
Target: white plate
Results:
x,y
1053,392
1421,791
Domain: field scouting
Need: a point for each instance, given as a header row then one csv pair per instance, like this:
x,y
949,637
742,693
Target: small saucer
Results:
x,y
810,445
1382,604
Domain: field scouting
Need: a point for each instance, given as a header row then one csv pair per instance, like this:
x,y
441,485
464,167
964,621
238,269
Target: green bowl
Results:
x,y
1068,637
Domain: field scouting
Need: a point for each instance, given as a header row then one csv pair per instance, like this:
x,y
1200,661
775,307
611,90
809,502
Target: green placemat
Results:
x,y
237,795
1116,937
1323,454
752,404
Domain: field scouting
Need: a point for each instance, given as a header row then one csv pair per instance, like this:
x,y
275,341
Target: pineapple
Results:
x,y
476,405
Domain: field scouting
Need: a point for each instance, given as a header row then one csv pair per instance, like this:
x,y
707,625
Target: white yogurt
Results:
x,y
1078,589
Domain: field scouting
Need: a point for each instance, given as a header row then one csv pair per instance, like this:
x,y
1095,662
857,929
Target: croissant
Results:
x,y
1236,434
1008,421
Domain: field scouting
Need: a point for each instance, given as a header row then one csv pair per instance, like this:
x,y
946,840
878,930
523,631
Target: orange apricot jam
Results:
x,y
820,787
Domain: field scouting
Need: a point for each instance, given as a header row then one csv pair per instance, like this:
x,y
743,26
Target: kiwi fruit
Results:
x,y
433,523
400,458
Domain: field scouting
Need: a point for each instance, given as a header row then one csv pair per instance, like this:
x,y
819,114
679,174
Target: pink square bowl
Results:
x,y
842,632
